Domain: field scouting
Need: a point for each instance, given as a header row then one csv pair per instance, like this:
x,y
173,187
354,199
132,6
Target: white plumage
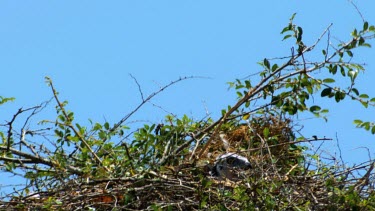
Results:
x,y
231,166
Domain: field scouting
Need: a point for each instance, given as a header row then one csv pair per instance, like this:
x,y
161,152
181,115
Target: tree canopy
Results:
x,y
168,165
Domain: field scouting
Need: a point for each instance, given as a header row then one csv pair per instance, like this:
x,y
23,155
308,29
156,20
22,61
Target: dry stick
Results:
x,y
265,145
365,179
11,123
38,160
10,128
196,145
356,8
147,99
73,128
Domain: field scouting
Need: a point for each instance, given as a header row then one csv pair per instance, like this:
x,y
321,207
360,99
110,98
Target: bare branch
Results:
x,y
147,99
139,87
358,11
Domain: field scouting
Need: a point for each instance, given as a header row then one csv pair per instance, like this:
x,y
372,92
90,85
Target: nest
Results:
x,y
281,178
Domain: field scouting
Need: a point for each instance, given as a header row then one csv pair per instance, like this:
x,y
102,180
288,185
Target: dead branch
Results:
x,y
148,99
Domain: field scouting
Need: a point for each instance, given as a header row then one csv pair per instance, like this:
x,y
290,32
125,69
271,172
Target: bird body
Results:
x,y
230,166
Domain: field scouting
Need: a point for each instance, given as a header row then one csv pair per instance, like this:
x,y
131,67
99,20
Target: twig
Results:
x,y
147,99
10,124
356,8
37,159
139,86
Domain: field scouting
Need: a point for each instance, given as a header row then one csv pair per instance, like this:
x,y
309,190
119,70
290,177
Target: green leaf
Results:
x,y
352,74
266,63
300,32
285,29
106,126
59,133
309,89
349,53
365,104
365,26
248,84
373,130
5,99
361,41
274,67
266,132
354,33
314,108
62,118
372,100
365,96
247,104
292,18
287,36
337,97
324,52
102,135
332,69
366,125
97,126
246,116
366,45
326,92
329,80
276,100
357,121
355,91
342,70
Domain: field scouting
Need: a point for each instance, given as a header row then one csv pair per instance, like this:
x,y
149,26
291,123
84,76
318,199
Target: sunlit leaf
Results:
x,y
329,80
365,96
365,104
357,121
246,116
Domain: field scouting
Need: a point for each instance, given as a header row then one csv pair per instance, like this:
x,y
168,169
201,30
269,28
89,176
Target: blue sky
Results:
x,y
89,48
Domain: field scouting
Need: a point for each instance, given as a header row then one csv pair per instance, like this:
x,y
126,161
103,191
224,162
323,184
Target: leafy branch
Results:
x,y
70,125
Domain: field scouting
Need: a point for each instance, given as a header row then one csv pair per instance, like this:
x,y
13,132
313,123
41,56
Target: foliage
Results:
x,y
167,165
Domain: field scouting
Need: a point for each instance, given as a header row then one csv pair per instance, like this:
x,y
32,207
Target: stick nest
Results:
x,y
283,177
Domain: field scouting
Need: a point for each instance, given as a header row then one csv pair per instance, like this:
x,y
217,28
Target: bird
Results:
x,y
231,166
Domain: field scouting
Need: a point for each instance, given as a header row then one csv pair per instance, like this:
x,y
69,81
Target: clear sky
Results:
x,y
89,48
